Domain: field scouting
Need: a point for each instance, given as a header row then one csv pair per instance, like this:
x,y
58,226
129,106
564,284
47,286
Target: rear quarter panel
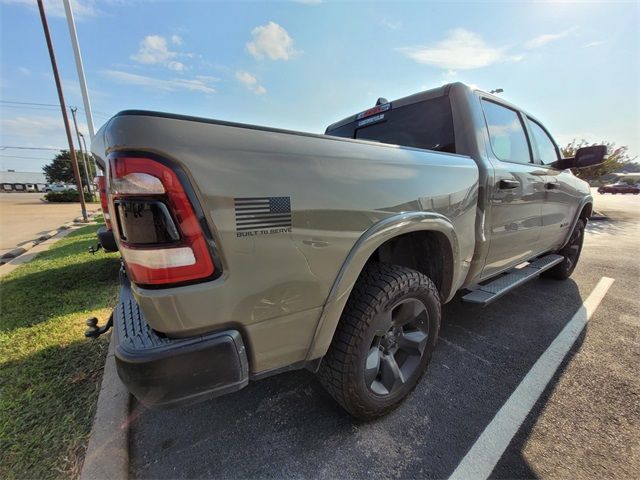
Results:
x,y
274,285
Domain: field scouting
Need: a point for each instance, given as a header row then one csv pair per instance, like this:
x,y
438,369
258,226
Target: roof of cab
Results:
x,y
416,97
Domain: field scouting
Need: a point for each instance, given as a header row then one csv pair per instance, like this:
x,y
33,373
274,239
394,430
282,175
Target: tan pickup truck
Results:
x,y
249,251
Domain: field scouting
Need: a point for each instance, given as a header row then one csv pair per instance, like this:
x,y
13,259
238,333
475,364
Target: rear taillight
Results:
x,y
161,237
104,202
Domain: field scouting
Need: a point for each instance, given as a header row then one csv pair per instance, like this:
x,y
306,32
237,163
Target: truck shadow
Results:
x,y
287,426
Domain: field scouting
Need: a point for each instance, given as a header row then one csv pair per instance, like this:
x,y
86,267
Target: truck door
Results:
x,y
561,198
516,194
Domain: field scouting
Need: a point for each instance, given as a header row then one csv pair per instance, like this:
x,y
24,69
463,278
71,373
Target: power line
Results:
x,y
4,147
34,104
28,158
30,103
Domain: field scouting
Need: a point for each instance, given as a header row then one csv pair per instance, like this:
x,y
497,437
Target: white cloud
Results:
x,y
37,130
272,41
24,71
34,123
82,9
593,44
154,50
250,82
459,50
308,2
176,66
391,24
200,84
542,40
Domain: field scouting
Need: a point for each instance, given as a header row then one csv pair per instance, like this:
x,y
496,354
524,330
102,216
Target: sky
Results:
x,y
302,65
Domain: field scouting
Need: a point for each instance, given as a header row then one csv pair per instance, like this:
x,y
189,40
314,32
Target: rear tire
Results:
x,y
383,342
571,253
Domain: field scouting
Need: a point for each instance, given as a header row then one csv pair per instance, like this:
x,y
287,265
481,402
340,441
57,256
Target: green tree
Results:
x,y
61,171
616,161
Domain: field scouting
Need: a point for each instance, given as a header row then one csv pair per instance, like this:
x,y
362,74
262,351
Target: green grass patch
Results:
x,y
49,373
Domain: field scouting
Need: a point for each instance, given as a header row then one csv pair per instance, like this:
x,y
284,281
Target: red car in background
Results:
x,y
619,187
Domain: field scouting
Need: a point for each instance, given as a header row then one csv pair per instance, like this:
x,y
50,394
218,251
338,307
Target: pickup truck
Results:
x,y
250,251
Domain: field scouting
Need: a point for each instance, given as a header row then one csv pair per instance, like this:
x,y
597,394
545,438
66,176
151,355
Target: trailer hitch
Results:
x,y
94,331
93,250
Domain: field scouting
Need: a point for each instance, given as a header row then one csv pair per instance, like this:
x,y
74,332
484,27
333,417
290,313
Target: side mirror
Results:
x,y
585,157
590,156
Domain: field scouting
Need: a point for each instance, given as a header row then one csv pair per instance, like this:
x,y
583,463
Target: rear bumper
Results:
x,y
165,372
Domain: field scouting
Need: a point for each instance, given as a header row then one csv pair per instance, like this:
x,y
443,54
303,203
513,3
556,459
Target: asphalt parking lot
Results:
x,y
24,217
584,425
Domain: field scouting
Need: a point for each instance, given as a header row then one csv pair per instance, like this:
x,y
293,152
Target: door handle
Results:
x,y
508,184
551,186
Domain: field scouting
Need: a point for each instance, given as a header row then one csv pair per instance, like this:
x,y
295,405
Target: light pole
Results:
x,y
79,66
84,157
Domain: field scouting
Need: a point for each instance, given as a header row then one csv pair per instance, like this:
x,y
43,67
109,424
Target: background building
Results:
x,y
12,181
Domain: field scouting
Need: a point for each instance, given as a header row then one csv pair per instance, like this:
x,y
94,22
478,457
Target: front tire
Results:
x,y
571,253
383,342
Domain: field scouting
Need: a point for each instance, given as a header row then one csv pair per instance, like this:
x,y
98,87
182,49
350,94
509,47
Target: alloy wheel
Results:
x,y
398,346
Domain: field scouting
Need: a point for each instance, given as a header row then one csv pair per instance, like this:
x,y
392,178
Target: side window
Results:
x,y
547,152
506,132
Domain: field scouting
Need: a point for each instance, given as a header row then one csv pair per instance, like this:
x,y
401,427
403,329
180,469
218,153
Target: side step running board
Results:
x,y
485,294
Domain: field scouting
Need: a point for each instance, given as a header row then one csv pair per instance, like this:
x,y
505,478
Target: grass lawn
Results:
x,y
49,373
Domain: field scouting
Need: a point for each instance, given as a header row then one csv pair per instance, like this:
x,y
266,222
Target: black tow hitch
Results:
x,y
94,249
94,331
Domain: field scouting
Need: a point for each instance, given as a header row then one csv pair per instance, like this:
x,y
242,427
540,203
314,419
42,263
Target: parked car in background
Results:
x,y
59,187
619,187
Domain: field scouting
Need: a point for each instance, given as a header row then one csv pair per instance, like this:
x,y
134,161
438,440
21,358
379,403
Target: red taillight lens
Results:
x,y
104,202
161,239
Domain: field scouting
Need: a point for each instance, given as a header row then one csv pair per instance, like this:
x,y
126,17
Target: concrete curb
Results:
x,y
25,247
107,454
9,265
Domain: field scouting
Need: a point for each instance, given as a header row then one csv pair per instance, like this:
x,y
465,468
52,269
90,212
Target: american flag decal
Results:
x,y
262,213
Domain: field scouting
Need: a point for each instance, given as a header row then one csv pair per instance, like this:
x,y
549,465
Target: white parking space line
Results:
x,y
485,453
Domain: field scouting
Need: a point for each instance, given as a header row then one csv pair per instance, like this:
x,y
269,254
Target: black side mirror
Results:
x,y
590,156
585,157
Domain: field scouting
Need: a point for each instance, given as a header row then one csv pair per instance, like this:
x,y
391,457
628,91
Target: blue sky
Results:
x,y
303,65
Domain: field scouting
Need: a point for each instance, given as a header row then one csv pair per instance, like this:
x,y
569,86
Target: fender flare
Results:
x,y
362,250
585,201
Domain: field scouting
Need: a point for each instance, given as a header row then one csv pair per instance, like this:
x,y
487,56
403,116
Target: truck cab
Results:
x,y
526,202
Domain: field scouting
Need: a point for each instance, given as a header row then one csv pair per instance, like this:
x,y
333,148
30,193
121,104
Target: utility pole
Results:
x,y
84,153
63,108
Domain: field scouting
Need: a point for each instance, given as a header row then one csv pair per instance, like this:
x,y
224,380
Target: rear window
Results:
x,y
427,124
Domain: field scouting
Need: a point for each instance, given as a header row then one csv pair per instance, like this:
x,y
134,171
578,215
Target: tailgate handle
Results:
x,y
508,184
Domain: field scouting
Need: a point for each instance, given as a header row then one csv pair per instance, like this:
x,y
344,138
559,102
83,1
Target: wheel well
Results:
x,y
427,252
587,210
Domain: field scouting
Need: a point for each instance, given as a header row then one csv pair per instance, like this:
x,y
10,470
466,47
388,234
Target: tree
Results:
x,y
616,161
60,169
